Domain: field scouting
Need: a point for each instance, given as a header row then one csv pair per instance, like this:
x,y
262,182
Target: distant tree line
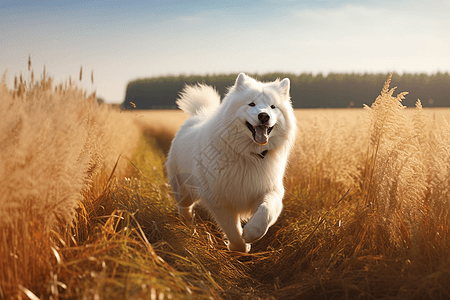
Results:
x,y
336,90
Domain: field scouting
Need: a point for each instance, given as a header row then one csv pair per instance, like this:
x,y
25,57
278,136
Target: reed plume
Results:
x,y
53,142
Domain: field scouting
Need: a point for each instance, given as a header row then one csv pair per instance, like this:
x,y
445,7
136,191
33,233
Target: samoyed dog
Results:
x,y
230,156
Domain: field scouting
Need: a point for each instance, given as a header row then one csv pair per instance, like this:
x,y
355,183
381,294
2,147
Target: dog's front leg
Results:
x,y
265,216
231,226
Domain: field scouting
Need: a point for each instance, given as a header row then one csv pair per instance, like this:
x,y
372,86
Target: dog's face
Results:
x,y
260,107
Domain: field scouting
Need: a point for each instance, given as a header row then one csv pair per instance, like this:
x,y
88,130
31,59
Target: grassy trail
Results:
x,y
365,213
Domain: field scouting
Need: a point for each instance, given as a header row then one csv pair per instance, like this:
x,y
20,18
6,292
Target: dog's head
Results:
x,y
264,110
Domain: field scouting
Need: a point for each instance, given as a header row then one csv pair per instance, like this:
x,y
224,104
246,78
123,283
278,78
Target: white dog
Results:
x,y
230,157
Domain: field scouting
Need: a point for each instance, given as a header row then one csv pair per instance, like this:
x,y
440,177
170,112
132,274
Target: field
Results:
x,y
87,212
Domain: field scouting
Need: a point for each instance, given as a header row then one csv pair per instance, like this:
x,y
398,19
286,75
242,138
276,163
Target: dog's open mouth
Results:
x,y
260,133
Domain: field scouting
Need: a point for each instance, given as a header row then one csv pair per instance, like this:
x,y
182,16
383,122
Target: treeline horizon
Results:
x,y
335,90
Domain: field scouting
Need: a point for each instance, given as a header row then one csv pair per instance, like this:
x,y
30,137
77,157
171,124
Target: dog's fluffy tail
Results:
x,y
198,100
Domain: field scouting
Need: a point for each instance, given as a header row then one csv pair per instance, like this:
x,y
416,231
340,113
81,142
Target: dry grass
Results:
x,y
54,143
387,237
366,209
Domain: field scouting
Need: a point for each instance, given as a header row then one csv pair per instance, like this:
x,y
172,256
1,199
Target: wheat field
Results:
x,y
87,212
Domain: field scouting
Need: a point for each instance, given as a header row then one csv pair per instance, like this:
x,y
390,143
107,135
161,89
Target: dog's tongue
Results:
x,y
261,135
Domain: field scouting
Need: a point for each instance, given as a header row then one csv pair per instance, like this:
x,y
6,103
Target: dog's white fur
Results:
x,y
217,162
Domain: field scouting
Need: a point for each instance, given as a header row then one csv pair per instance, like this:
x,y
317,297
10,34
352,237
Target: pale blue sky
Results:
x,y
124,40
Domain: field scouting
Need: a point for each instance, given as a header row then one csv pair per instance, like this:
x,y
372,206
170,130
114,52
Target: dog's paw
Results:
x,y
253,232
245,248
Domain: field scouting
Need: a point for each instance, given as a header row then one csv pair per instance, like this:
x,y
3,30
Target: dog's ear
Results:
x,y
285,85
240,83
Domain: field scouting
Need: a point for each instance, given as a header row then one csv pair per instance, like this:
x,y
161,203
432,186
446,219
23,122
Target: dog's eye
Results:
x,y
252,104
272,106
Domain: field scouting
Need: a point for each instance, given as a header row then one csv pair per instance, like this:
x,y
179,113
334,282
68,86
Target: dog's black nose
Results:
x,y
263,117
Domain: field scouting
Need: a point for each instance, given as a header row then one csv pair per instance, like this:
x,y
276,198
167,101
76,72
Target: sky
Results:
x,y
120,41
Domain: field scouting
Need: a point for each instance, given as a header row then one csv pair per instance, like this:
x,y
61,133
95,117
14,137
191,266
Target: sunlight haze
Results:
x,y
123,40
